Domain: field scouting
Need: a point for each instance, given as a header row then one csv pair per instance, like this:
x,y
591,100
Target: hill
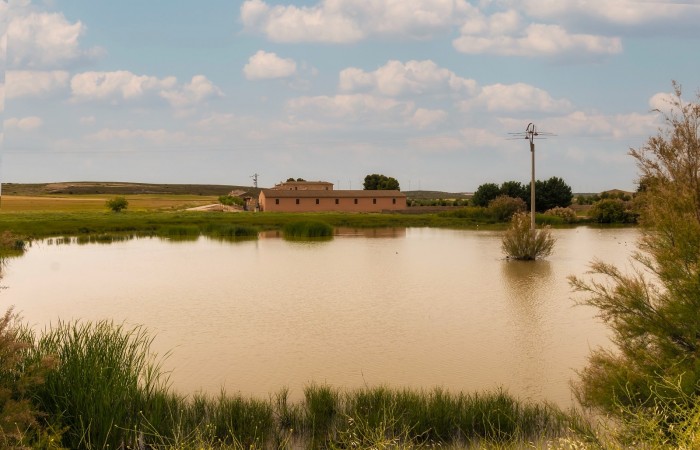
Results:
x,y
117,188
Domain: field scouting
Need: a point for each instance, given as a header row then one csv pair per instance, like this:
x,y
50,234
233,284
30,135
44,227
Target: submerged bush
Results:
x,y
308,229
520,242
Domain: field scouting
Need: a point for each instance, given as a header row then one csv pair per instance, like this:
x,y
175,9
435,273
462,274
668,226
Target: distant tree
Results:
x,y
117,204
231,200
290,179
516,189
552,193
485,193
380,182
300,179
611,210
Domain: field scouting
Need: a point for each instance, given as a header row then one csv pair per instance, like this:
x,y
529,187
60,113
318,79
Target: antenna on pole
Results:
x,y
531,133
255,180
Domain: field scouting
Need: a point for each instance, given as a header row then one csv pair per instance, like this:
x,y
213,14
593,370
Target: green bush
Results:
x,y
567,214
231,200
503,207
522,243
611,210
117,204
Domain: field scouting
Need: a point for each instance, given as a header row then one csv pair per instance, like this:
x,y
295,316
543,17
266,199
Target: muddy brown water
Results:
x,y
413,307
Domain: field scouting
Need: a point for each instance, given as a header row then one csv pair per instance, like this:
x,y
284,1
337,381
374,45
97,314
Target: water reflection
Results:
x,y
528,284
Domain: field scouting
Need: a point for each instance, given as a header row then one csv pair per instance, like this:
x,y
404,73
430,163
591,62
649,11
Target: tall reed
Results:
x,y
308,229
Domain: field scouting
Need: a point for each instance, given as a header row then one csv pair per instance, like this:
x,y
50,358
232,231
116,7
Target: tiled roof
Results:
x,y
274,193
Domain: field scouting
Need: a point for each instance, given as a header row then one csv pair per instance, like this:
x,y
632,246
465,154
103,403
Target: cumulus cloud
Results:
x,y
619,12
23,124
345,21
120,86
596,125
505,33
426,118
45,40
196,91
516,97
351,106
413,77
264,65
34,83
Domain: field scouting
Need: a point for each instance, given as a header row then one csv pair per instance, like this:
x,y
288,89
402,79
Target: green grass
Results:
x,y
106,390
307,229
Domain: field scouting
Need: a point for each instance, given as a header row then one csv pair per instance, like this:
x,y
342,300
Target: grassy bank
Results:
x,y
97,385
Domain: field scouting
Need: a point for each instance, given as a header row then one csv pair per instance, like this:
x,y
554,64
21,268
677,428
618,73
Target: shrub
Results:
x,y
231,200
117,204
567,214
611,210
308,229
520,242
503,207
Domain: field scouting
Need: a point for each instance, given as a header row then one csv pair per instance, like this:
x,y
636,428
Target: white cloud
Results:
x,y
23,124
21,83
533,40
425,118
87,120
119,86
618,12
45,40
352,106
396,78
196,91
516,97
480,137
264,65
344,21
596,125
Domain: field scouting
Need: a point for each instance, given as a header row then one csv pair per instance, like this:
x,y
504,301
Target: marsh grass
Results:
x,y
308,229
227,231
108,390
522,243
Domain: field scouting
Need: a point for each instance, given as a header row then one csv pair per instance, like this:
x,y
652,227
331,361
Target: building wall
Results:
x,y
341,203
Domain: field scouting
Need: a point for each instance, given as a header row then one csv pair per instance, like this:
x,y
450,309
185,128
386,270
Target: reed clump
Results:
x,y
107,389
522,243
308,229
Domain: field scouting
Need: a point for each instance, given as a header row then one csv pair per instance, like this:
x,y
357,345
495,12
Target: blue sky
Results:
x,y
425,91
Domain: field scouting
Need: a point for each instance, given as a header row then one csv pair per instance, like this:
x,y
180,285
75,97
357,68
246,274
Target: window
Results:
x,y
374,201
317,201
393,200
277,201
356,201
297,201
337,201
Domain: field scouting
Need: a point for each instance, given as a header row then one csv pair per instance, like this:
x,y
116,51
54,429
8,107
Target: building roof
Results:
x,y
274,193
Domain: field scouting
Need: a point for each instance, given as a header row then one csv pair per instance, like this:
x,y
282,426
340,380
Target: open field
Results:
x,y
96,202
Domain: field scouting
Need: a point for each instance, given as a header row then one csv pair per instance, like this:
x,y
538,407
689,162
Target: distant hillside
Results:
x,y
117,188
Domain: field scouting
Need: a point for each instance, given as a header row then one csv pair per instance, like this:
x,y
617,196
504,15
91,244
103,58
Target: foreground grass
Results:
x,y
105,389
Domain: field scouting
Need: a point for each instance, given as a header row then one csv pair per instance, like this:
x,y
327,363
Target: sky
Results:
x,y
425,91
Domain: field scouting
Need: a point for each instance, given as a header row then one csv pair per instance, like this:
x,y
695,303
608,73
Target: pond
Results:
x,y
415,307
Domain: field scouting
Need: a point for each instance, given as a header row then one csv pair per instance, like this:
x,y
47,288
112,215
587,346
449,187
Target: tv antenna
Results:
x,y
255,180
531,133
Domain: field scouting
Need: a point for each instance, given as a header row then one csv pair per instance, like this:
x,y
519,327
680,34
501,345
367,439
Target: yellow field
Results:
x,y
17,203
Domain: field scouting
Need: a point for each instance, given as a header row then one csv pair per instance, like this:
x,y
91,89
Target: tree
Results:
x,y
380,182
552,193
516,189
485,193
117,204
611,210
654,312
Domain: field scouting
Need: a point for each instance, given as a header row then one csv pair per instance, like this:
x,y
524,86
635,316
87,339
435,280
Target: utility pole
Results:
x,y
255,180
531,133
